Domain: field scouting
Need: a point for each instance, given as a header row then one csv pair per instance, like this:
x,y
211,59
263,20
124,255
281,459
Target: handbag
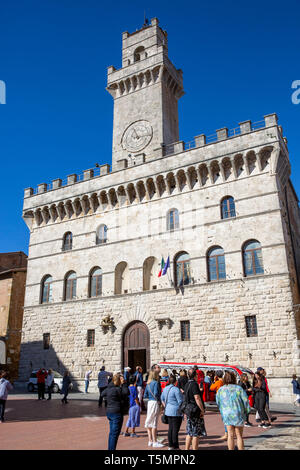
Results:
x,y
191,410
164,418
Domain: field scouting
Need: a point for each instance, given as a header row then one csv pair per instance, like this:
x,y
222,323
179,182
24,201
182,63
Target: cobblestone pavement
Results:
x,y
285,436
81,425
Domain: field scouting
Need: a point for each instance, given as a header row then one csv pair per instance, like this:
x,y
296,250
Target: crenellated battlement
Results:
x,y
232,156
203,142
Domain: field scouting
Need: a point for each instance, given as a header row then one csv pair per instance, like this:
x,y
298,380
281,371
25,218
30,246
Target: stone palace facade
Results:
x,y
222,208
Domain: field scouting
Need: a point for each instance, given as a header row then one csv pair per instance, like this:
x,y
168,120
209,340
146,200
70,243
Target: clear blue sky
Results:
x,y
239,60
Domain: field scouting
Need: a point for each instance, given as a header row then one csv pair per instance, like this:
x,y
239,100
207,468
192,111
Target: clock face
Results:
x,y
137,136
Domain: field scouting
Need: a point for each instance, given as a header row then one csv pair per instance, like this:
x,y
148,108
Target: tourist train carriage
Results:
x,y
208,396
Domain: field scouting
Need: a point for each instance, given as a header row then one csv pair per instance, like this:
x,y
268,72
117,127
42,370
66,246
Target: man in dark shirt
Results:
x,y
194,423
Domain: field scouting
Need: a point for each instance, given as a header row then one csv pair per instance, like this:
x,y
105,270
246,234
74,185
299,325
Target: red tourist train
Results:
x,y
203,368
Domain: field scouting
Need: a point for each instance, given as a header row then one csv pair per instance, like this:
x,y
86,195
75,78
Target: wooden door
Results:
x,y
136,338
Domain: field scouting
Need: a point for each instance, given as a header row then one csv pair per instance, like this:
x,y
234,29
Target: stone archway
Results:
x,y
136,346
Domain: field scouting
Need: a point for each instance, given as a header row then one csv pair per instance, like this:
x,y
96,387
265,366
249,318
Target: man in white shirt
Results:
x,y
87,380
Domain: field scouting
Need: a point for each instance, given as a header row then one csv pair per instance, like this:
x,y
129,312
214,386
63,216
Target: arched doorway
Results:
x,y
136,346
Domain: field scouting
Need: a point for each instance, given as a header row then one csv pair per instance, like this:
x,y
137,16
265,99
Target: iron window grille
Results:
x,y
90,338
185,330
251,326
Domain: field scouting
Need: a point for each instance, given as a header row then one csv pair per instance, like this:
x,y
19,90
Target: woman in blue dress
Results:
x,y
134,408
234,408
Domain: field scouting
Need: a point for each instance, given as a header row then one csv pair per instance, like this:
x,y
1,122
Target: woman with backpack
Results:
x,y
5,387
171,399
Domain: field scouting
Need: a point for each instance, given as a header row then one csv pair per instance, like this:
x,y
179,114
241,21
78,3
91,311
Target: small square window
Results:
x,y
46,340
185,330
90,338
251,326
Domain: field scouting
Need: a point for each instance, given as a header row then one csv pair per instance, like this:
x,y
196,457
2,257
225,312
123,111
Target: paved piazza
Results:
x,y
81,425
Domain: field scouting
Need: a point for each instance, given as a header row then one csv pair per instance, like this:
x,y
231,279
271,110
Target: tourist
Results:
x,y
117,395
296,390
156,367
164,378
65,387
126,375
134,408
260,393
218,382
194,411
182,381
139,384
152,395
207,378
234,407
245,384
87,380
103,379
268,395
5,387
171,399
41,378
50,383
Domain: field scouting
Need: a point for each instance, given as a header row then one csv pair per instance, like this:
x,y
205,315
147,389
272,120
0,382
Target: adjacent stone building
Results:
x,y
12,292
221,208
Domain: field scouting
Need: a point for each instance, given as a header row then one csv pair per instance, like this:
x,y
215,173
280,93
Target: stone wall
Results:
x,y
217,317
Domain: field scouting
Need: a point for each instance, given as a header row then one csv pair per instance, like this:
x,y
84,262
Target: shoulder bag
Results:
x,y
191,410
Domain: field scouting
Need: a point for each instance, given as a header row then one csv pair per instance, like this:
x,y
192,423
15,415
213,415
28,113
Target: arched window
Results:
x,y
227,207
150,273
182,269
67,241
101,235
46,292
70,286
252,258
96,282
139,54
172,220
216,264
122,278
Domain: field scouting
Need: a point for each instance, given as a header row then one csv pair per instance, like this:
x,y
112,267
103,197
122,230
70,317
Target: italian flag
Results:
x,y
162,264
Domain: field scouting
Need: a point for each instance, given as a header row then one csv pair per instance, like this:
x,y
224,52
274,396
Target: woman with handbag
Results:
x,y
152,399
171,399
194,410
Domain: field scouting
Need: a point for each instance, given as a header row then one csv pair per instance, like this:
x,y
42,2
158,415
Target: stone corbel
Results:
x,y
246,164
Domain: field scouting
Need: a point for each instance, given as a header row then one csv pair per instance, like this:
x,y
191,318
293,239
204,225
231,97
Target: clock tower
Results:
x,y
145,91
